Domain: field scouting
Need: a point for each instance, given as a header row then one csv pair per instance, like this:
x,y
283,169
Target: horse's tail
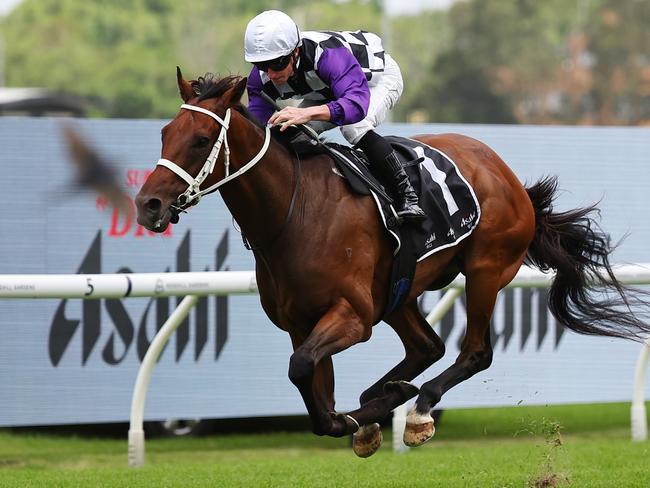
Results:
x,y
585,295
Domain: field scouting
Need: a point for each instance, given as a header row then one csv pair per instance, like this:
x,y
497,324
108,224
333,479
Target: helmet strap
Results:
x,y
295,57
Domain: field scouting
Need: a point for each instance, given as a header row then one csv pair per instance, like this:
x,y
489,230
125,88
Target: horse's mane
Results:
x,y
210,86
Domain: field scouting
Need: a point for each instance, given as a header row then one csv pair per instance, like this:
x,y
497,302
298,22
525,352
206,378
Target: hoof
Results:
x,y
404,389
419,428
343,424
367,440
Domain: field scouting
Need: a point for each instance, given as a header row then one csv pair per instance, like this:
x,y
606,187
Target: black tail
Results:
x,y
585,295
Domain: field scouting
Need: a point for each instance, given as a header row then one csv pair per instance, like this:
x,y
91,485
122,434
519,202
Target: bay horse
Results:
x,y
323,259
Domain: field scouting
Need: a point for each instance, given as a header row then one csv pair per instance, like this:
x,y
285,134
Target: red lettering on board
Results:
x,y
121,224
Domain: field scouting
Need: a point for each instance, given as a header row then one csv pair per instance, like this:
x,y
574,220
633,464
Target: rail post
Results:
x,y
639,422
136,431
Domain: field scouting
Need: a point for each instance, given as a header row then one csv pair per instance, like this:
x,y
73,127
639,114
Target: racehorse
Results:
x,y
323,259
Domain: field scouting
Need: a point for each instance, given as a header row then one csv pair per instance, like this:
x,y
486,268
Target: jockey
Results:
x,y
343,79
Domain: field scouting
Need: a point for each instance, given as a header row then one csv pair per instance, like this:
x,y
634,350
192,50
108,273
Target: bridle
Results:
x,y
194,191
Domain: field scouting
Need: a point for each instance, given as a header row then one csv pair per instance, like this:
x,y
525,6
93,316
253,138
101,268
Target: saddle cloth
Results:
x,y
449,202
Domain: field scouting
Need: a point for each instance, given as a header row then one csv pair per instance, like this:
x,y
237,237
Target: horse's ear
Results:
x,y
234,95
184,86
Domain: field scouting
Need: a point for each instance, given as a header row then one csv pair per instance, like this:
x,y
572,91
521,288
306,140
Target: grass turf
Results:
x,y
509,447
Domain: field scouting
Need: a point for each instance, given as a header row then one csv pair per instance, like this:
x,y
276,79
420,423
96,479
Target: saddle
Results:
x,y
449,202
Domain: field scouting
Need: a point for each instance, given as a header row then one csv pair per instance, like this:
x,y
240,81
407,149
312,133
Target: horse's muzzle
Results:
x,y
153,214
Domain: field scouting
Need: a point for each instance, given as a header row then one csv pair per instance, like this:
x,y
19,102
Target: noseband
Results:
x,y
194,191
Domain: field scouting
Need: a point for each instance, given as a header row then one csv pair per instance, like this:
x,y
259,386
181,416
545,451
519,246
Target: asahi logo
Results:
x,y
467,220
128,333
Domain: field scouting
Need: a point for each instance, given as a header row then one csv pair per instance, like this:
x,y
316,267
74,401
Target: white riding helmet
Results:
x,y
270,35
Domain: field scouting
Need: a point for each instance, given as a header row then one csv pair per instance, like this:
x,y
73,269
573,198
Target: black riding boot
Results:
x,y
408,208
383,157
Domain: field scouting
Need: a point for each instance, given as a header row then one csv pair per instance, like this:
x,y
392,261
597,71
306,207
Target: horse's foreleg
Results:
x,y
422,348
475,355
311,371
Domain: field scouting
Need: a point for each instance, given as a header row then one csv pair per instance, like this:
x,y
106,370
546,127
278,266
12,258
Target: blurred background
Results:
x,y
581,62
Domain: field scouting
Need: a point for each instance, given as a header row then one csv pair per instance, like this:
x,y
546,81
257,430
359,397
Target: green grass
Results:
x,y
513,447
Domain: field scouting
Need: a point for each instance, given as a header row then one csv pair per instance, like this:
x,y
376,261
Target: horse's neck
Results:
x,y
258,199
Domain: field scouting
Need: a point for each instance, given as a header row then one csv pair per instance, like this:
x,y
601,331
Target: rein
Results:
x,y
297,170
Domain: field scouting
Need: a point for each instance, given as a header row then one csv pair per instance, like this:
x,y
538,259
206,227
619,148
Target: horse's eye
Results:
x,y
201,141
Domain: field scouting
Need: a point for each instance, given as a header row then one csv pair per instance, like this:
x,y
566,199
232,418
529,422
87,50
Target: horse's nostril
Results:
x,y
153,205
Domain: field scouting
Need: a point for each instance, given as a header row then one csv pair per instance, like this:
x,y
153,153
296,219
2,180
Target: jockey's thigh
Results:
x,y
383,97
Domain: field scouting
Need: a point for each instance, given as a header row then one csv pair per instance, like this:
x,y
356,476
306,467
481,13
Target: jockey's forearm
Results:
x,y
319,112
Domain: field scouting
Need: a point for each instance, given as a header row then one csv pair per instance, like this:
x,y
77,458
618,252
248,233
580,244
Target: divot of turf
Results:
x,y
548,477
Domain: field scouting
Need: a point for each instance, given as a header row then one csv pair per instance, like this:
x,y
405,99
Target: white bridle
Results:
x,y
194,191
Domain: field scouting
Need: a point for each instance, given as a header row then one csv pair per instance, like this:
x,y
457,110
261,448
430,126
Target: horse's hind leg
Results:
x,y
422,348
483,284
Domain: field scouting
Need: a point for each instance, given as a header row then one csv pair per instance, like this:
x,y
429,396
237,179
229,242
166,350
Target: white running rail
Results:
x,y
89,286
195,284
95,286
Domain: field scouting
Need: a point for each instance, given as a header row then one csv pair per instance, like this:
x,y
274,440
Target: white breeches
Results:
x,y
383,97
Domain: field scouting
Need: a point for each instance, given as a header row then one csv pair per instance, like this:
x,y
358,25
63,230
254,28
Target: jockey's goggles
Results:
x,y
277,64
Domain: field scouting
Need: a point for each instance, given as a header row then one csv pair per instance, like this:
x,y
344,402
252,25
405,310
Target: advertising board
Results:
x,y
74,361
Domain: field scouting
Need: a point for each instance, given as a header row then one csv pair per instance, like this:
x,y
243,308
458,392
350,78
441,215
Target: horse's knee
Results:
x,y
301,367
435,349
430,351
480,360
486,360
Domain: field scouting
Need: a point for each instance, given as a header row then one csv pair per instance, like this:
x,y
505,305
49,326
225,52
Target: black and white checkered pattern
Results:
x,y
366,47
